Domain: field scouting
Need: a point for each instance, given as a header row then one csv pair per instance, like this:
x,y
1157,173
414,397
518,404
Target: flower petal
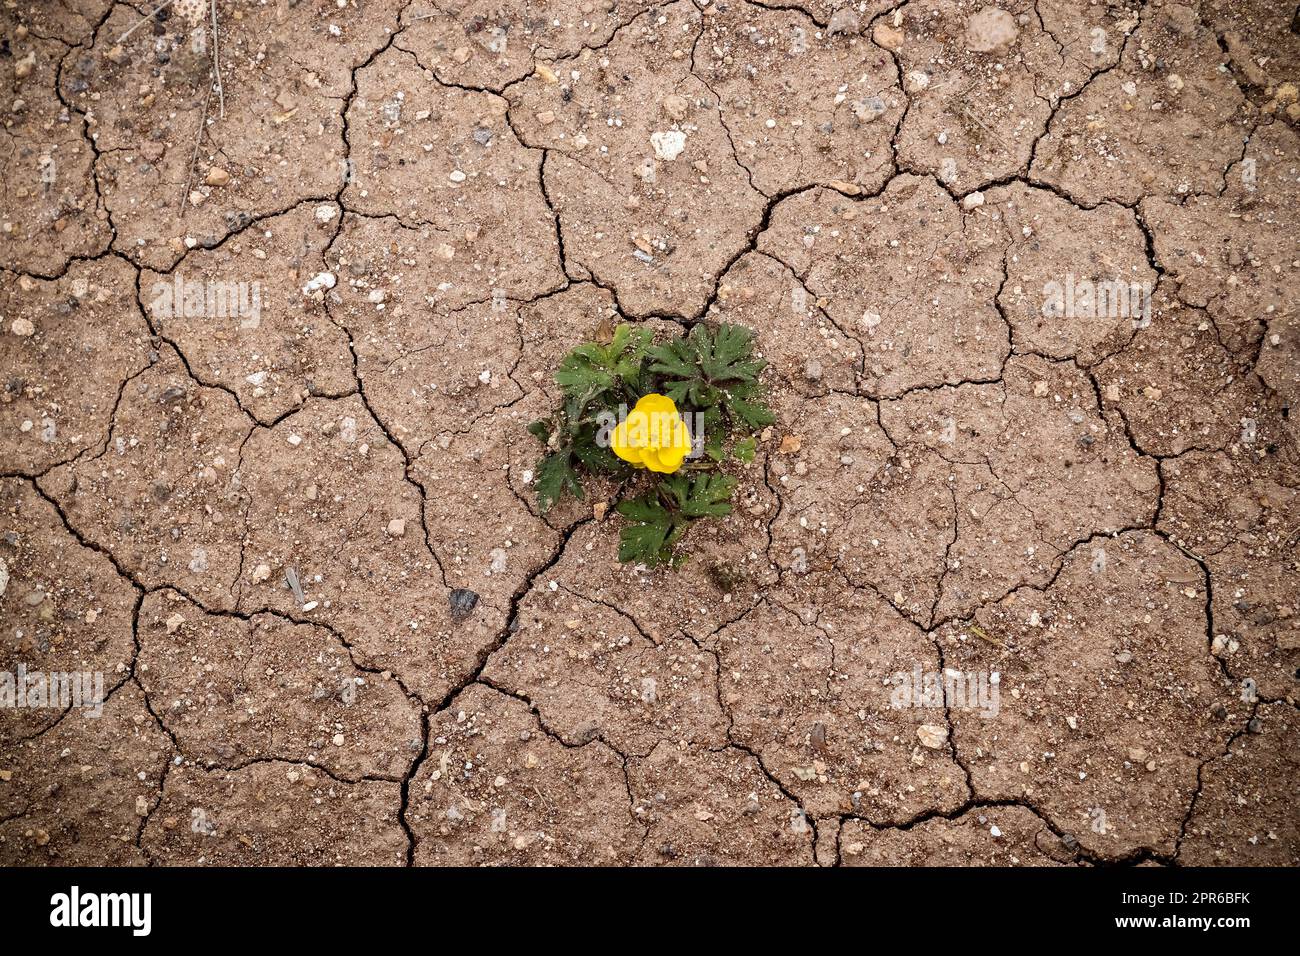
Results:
x,y
655,402
622,444
670,459
660,461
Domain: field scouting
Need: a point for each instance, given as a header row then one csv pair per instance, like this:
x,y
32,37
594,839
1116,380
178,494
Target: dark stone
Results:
x,y
463,601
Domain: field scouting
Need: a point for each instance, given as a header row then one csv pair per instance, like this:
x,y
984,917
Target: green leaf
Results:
x,y
678,391
744,450
646,509
715,433
592,369
584,372
676,358
709,496
711,367
628,347
753,414
555,474
678,486
645,538
595,457
729,356
629,362
541,430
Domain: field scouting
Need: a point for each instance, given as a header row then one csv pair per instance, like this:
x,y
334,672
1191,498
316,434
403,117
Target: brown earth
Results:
x,y
252,525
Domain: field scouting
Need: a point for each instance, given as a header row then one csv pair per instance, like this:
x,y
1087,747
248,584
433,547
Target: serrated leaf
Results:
x,y
714,446
555,474
709,364
627,352
597,457
678,486
584,373
675,358
622,336
752,414
646,509
644,538
728,356
744,450
642,543
709,496
678,391
590,369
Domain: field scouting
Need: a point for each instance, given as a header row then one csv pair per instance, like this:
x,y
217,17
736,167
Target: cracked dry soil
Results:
x,y
1105,513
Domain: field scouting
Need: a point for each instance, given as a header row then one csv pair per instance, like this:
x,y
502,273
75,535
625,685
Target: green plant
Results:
x,y
712,377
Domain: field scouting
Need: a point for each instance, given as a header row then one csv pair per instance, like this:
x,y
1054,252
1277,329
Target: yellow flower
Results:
x,y
653,435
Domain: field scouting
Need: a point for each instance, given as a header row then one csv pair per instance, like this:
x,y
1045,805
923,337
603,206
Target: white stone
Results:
x,y
991,29
322,280
668,145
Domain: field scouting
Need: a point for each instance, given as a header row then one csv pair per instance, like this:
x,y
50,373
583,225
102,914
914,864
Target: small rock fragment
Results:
x,y
322,280
932,735
887,37
991,29
869,109
674,107
462,602
668,145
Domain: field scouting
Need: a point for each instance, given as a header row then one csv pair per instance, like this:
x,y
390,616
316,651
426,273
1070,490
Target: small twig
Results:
x,y
980,633
156,10
216,65
203,124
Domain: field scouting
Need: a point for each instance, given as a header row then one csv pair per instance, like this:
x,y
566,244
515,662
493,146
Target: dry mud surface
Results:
x,y
434,200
